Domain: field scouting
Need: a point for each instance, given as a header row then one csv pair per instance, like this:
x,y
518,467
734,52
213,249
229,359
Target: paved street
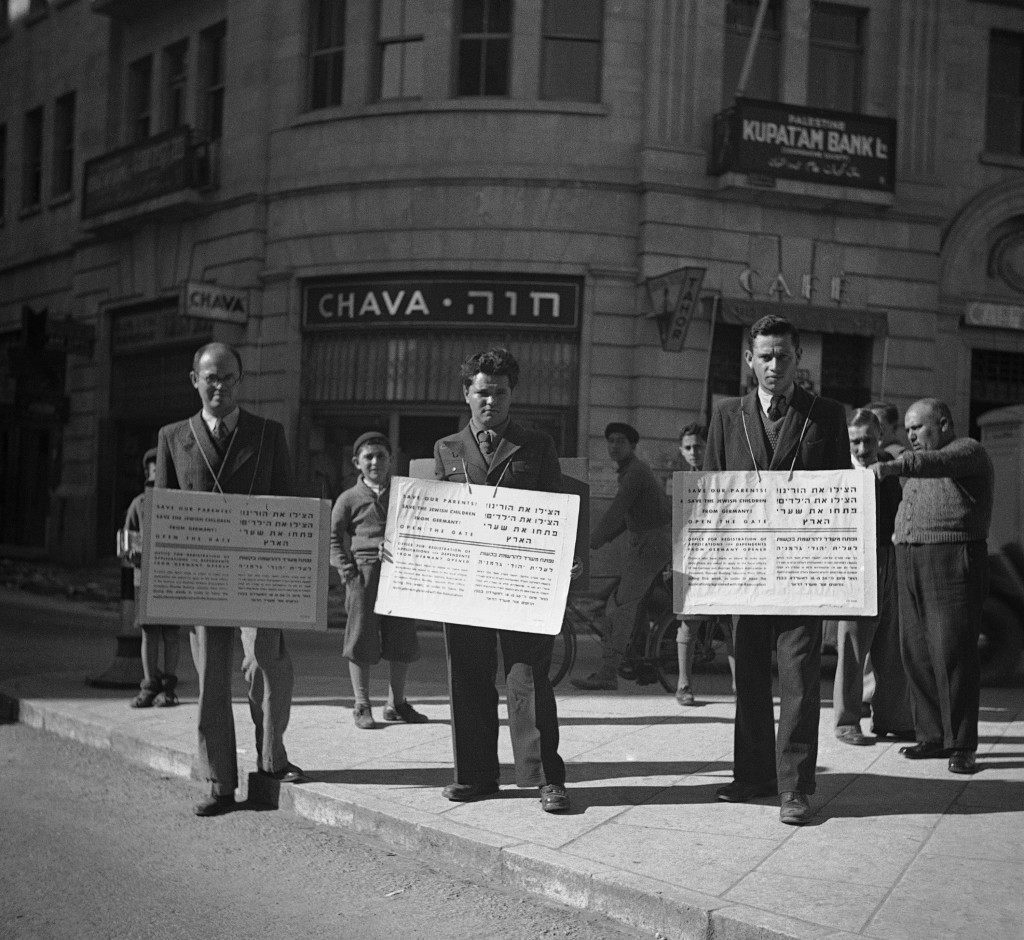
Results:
x,y
97,847
898,849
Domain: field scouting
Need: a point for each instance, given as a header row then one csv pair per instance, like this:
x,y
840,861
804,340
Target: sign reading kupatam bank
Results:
x,y
407,300
813,145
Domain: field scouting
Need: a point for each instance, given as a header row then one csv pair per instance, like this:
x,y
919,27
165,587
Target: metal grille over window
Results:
x,y
327,54
572,34
400,35
485,41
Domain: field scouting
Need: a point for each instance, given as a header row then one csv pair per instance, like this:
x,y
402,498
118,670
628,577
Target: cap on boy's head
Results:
x,y
370,437
148,457
629,432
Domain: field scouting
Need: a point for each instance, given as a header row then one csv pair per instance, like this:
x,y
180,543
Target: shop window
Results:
x,y
997,380
327,53
175,81
1004,116
211,65
571,51
400,44
484,47
846,368
835,63
63,144
763,80
32,160
140,99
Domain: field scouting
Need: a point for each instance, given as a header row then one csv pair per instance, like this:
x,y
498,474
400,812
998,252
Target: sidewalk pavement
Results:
x,y
897,849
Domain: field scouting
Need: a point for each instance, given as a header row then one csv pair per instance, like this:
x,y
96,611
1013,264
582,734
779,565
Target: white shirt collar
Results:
x,y
766,397
230,420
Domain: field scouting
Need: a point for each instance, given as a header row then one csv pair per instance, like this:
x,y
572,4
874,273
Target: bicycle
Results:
x,y
652,655
640,662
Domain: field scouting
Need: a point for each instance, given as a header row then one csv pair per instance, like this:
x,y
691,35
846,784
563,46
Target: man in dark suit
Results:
x,y
495,450
778,426
226,449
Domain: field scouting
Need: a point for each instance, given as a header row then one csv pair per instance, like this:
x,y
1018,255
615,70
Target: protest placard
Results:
x,y
771,542
478,555
235,561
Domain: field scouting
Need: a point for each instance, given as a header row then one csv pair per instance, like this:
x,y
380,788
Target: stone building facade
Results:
x,y
357,193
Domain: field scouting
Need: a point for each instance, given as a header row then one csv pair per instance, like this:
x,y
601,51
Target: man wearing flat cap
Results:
x,y
642,509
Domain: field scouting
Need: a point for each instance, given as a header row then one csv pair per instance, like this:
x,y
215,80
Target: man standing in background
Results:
x,y
642,508
942,564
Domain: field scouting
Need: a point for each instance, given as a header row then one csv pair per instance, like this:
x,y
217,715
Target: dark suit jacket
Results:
x,y
257,462
825,444
524,460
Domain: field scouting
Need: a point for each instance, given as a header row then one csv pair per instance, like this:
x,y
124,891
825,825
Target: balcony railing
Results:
x,y
157,167
767,141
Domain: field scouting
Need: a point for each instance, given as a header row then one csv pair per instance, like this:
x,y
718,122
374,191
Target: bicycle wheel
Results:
x,y
563,655
662,652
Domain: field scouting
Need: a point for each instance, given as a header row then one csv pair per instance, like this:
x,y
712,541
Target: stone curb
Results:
x,y
636,902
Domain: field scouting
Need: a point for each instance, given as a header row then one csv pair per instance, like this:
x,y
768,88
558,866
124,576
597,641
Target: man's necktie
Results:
x,y
777,407
220,434
486,439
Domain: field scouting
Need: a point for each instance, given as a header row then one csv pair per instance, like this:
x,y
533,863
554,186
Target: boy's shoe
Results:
x,y
149,689
468,792
684,696
795,808
403,711
167,698
851,734
363,717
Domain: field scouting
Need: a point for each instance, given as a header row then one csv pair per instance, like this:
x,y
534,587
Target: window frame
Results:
x,y
548,36
212,83
401,39
3,171
991,118
744,32
835,49
334,54
139,100
174,85
32,159
485,37
62,170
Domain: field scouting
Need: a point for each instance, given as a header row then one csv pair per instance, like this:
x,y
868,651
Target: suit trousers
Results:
x,y
757,758
532,715
942,588
268,669
880,637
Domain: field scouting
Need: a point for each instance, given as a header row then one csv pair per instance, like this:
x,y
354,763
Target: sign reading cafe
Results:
x,y
408,300
814,145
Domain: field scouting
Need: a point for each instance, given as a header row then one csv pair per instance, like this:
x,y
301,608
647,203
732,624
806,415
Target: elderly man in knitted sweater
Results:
x,y
942,569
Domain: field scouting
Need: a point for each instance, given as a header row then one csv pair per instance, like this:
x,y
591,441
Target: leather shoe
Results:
x,y
851,734
923,750
795,808
905,734
962,762
467,792
287,774
553,798
215,805
737,792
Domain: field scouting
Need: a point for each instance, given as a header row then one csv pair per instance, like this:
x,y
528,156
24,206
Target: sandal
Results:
x,y
166,699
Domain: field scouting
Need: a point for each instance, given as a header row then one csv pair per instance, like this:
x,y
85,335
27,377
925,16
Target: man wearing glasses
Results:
x,y
226,449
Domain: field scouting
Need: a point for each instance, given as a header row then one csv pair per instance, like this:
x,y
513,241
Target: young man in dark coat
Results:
x,y
496,450
777,426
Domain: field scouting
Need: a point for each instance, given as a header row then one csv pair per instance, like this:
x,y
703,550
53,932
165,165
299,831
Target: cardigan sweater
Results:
x,y
357,524
947,496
